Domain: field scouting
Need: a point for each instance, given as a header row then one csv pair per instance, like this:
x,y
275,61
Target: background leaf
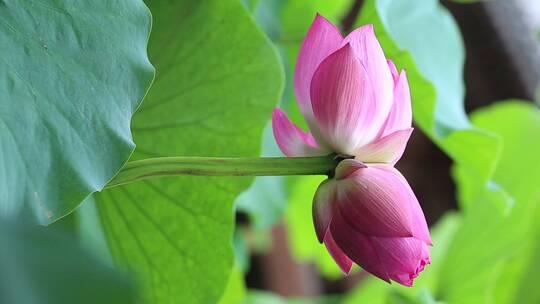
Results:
x,y
71,76
494,252
217,80
300,230
236,289
42,266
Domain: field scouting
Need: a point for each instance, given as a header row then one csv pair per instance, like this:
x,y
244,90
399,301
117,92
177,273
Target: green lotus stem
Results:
x,y
221,166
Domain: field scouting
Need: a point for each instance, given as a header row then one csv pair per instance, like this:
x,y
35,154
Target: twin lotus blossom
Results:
x,y
358,106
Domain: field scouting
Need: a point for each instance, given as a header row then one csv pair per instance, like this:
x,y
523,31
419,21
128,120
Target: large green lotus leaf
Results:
x,y
42,266
493,255
71,75
425,41
217,80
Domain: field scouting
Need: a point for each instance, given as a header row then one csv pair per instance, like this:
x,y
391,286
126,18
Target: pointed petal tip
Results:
x,y
321,18
406,282
322,39
370,27
276,112
346,268
292,140
393,70
366,29
342,260
424,237
387,280
320,232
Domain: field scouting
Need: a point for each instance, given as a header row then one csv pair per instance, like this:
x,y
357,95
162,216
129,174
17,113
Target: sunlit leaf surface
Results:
x,y
217,80
71,76
497,253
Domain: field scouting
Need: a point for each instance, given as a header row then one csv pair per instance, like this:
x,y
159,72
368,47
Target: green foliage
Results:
x,y
470,1
42,266
496,253
236,290
71,76
260,297
217,80
301,234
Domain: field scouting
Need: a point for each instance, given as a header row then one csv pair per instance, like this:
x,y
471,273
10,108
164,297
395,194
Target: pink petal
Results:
x,y
419,225
322,207
425,255
347,167
343,102
367,48
341,259
388,149
404,258
393,71
358,247
375,202
322,39
292,140
400,116
399,254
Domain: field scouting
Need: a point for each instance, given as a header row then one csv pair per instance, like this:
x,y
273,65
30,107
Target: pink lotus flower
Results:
x,y
357,105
